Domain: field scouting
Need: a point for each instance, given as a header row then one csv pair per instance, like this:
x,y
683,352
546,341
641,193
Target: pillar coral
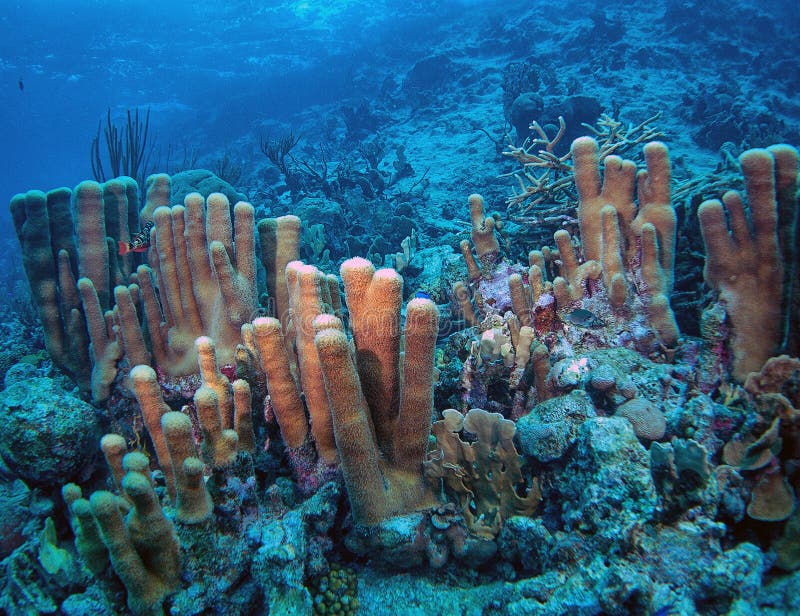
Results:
x,y
381,411
305,285
287,356
370,412
140,543
202,259
158,188
279,239
44,227
627,240
204,262
752,264
610,286
47,224
192,501
131,530
483,239
223,409
633,242
270,350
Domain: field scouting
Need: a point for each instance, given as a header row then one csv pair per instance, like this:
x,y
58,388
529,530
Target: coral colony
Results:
x,y
273,433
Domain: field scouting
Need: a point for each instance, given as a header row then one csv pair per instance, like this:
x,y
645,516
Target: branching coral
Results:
x,y
546,177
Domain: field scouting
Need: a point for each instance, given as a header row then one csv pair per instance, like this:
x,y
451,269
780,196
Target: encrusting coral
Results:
x,y
765,451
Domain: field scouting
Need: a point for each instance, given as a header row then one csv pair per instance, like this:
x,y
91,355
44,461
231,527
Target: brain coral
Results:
x,y
648,421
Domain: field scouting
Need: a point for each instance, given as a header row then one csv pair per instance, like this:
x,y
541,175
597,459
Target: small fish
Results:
x,y
21,85
584,318
422,295
139,243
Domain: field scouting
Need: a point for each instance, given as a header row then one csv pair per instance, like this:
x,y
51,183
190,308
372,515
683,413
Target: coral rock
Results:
x,y
47,436
648,422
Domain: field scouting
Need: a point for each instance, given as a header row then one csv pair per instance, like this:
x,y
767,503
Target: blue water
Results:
x,y
215,72
209,71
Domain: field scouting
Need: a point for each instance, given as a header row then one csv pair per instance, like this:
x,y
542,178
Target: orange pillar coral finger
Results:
x,y
279,239
152,405
121,198
382,467
746,267
114,448
787,178
44,226
359,458
416,396
91,236
305,300
88,540
105,350
283,390
243,415
655,208
374,299
205,266
571,284
158,189
130,331
483,236
143,548
627,236
193,502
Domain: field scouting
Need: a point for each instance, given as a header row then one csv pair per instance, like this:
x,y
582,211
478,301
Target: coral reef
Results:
x,y
597,458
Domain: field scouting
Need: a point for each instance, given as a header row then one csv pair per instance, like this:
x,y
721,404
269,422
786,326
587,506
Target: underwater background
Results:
x,y
399,308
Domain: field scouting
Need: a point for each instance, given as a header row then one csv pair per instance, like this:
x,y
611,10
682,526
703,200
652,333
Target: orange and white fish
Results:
x,y
139,243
